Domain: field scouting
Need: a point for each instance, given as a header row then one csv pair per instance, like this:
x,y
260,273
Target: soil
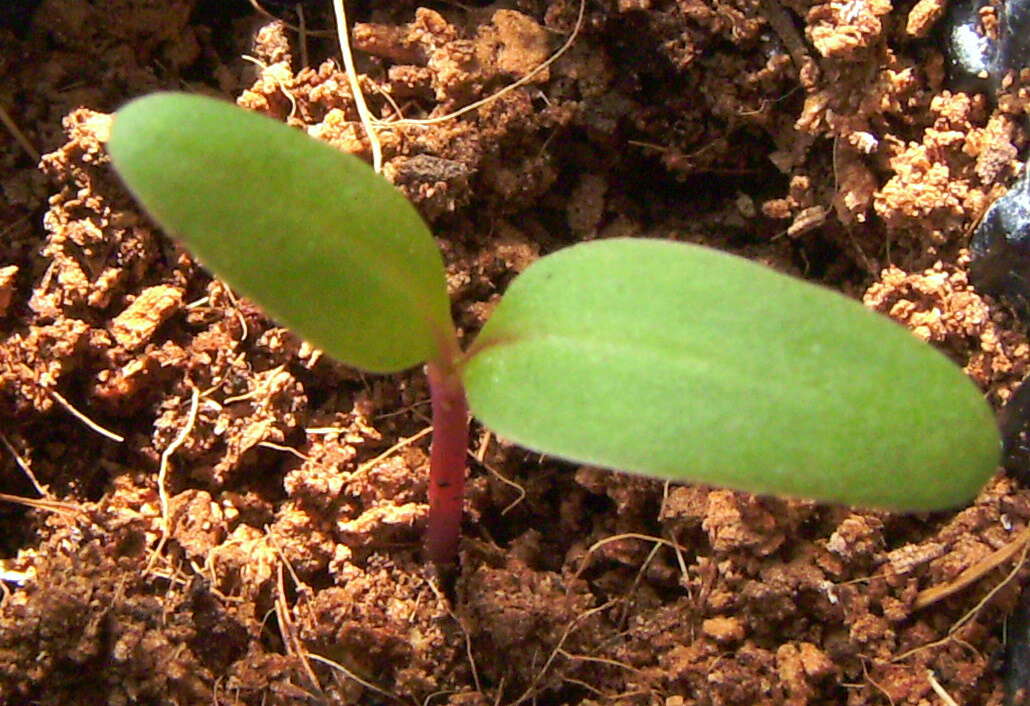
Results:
x,y
283,565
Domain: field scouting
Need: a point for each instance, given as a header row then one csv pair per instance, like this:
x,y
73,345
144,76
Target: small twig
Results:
x,y
55,506
665,499
229,294
863,579
599,660
19,136
679,552
84,419
293,112
936,643
25,468
971,613
310,32
351,675
16,223
939,690
261,10
343,32
389,99
444,692
172,576
615,538
286,631
390,451
636,583
784,28
404,410
990,594
876,684
292,641
648,145
582,684
500,692
280,447
249,395
973,573
302,31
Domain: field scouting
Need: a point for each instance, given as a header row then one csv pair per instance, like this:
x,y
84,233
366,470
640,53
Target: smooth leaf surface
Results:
x,y
686,363
314,236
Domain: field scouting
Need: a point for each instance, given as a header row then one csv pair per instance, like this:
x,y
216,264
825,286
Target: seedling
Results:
x,y
661,358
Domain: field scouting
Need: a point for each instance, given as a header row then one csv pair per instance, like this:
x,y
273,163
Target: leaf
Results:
x,y
685,363
314,236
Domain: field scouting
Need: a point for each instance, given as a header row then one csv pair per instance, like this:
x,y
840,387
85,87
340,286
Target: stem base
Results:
x,y
446,464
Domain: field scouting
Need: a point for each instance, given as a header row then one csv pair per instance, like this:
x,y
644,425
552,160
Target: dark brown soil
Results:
x,y
817,138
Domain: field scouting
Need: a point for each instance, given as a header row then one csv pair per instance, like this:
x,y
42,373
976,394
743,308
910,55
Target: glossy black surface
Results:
x,y
971,55
1001,248
1014,42
976,62
1014,420
1017,657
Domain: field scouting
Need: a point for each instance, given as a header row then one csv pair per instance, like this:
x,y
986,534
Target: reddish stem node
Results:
x,y
446,464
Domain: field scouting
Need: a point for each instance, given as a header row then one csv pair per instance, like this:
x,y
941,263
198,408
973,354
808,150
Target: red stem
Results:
x,y
446,464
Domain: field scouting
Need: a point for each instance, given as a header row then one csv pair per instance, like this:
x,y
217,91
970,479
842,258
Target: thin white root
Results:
x,y
23,464
19,136
367,121
939,690
84,419
166,455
